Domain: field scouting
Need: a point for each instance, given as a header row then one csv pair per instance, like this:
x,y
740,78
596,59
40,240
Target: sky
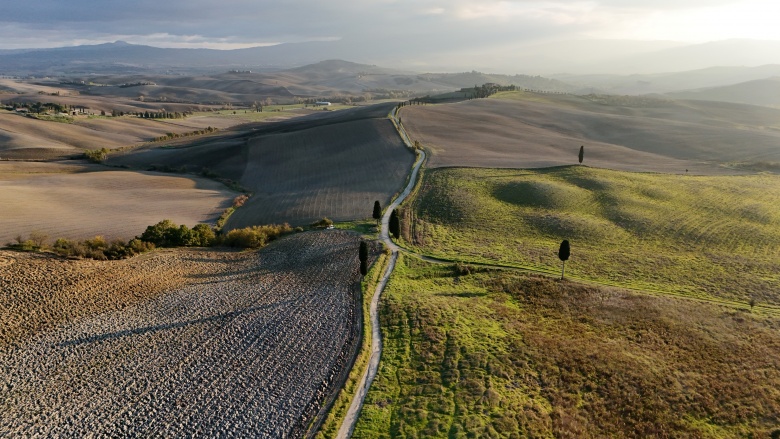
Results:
x,y
418,29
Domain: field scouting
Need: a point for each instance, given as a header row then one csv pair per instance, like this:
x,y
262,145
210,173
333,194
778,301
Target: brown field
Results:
x,y
527,130
81,201
334,164
174,343
32,139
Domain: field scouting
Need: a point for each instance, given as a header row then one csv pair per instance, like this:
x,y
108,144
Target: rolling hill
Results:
x,y
329,164
759,92
522,130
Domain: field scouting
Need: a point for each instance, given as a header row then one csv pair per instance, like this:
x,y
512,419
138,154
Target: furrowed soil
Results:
x,y
77,201
470,353
529,130
331,164
701,236
211,343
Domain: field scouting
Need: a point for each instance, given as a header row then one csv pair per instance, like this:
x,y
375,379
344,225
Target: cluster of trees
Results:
x,y
486,90
416,101
163,234
135,84
37,107
159,115
169,136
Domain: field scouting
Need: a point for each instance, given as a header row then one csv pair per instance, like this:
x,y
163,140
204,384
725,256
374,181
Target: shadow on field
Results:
x,y
223,318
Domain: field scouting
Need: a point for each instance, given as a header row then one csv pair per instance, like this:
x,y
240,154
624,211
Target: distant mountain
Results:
x,y
572,57
748,53
670,82
765,92
121,58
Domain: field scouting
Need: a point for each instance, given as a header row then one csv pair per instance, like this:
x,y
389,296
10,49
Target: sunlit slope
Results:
x,y
699,236
499,354
523,130
79,201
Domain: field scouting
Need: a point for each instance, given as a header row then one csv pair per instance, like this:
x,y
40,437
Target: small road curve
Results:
x,y
348,425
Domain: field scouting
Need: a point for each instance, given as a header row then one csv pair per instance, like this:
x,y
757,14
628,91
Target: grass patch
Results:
x,y
366,228
706,237
493,354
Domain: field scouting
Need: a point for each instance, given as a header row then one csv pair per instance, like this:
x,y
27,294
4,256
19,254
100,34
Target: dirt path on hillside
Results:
x,y
348,425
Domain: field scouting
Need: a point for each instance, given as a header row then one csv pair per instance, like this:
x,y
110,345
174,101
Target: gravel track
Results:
x,y
250,351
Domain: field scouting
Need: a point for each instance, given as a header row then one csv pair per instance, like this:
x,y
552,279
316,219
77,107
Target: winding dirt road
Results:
x,y
348,425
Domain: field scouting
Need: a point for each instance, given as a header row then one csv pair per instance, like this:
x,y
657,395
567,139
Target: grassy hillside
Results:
x,y
494,354
710,237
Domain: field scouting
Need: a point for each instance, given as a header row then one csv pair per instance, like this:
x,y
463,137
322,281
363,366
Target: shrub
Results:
x,y
255,236
162,234
96,155
240,200
137,246
96,243
203,236
323,223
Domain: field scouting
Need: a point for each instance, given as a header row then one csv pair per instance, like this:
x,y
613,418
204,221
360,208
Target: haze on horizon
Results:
x,y
510,36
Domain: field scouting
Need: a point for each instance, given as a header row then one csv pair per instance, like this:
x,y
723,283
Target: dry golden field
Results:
x,y
81,201
527,130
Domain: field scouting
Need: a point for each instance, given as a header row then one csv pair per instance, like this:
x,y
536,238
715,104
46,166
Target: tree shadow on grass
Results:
x,y
223,318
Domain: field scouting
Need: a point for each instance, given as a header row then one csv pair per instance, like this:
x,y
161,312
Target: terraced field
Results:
x,y
247,348
80,201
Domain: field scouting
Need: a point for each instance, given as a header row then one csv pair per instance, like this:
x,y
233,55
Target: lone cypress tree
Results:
x,y
377,212
582,153
363,255
395,224
563,254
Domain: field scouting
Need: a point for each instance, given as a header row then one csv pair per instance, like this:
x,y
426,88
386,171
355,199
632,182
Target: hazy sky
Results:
x,y
437,23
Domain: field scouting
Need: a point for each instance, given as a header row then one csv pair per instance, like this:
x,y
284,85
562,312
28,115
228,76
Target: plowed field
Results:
x,y
80,201
333,164
233,345
525,130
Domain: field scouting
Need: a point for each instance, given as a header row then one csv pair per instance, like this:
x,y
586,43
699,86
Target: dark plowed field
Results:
x,y
330,164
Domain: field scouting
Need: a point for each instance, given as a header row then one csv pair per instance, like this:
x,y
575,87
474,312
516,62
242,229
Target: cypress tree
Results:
x,y
377,212
582,153
395,224
563,254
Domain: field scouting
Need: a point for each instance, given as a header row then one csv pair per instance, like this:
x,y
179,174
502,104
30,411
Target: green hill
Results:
x,y
709,237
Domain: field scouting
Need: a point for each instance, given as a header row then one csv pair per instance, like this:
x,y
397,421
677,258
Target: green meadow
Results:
x,y
713,238
484,353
